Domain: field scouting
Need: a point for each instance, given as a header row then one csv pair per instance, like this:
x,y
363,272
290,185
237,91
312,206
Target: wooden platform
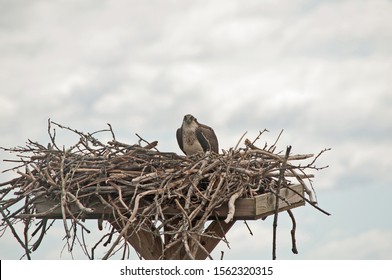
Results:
x,y
152,247
245,208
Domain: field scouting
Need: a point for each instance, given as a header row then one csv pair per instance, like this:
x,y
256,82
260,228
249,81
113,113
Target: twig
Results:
x,y
201,247
27,222
258,136
14,233
142,189
232,200
52,136
310,202
121,235
186,245
293,240
63,203
272,148
111,131
239,141
275,223
247,226
41,236
152,145
307,190
137,200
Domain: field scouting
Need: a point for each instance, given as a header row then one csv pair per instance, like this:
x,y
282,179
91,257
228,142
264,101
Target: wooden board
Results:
x,y
264,205
245,208
151,246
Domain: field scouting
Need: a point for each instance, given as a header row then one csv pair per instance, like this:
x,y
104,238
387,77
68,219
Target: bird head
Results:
x,y
188,119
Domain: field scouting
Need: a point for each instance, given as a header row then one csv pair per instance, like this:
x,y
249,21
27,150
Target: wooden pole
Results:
x,y
147,244
218,228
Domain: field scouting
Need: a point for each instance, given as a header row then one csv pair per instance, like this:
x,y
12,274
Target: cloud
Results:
x,y
320,70
371,244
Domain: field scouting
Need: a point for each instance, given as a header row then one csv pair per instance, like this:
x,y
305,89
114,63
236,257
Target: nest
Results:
x,y
145,195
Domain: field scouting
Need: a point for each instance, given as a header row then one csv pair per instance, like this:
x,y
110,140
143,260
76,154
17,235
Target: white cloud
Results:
x,y
371,244
318,69
341,29
8,107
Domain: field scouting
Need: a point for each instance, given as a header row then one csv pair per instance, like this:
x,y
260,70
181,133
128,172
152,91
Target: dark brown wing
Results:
x,y
207,138
179,139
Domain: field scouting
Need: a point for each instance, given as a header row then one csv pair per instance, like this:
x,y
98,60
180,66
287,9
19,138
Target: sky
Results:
x,y
319,70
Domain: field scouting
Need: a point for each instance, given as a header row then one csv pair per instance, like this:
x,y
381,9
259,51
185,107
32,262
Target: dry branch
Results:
x,y
232,200
146,194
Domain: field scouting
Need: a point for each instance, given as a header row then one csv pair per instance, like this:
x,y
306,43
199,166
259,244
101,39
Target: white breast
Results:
x,y
191,144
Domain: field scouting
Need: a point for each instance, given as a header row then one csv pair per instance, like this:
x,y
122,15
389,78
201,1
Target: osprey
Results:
x,y
194,137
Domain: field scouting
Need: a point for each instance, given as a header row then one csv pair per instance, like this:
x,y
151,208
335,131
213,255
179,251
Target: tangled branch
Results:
x,y
144,194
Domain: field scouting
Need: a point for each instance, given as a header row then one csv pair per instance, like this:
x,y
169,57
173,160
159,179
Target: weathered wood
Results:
x,y
245,208
148,245
173,252
217,228
263,205
137,188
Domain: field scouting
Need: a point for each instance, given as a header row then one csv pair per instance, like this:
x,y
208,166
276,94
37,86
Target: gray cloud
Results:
x,y
320,70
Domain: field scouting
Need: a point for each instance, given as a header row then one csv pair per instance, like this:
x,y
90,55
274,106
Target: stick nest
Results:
x,y
138,185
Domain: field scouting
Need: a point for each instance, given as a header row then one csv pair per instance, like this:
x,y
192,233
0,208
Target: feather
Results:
x,y
194,137
179,139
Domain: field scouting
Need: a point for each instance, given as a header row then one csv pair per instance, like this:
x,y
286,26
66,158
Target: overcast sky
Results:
x,y
320,70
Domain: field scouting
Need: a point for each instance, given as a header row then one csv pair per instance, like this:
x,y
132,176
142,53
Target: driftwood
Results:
x,y
158,202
